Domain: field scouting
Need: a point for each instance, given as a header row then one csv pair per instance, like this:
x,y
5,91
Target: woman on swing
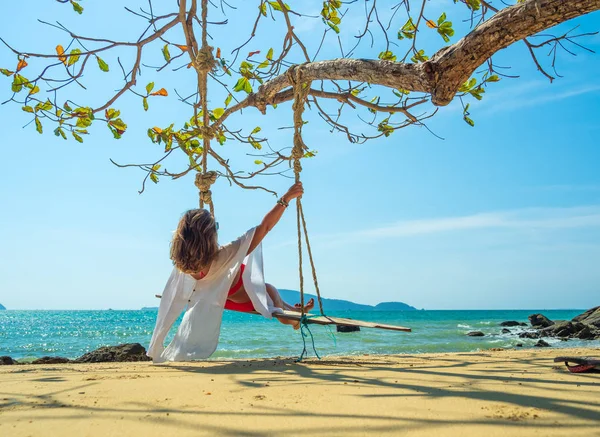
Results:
x,y
195,247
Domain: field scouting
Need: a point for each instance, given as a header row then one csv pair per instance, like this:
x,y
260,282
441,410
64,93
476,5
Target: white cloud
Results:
x,y
522,219
524,99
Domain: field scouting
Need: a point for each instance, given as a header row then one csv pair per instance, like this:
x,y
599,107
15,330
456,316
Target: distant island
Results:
x,y
293,296
2,307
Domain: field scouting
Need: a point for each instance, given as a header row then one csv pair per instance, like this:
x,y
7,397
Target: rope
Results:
x,y
301,91
304,325
203,183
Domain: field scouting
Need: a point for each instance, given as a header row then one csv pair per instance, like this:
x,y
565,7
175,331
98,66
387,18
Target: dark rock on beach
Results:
x,y
512,323
590,317
121,353
541,343
51,360
7,361
540,321
519,345
563,328
505,331
475,334
585,326
530,334
346,328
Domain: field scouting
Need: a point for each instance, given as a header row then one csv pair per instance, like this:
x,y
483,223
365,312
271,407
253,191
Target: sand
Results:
x,y
490,393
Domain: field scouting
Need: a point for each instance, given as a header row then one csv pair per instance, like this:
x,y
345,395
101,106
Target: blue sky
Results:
x,y
503,215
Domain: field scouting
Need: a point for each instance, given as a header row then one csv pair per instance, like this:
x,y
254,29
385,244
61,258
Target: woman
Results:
x,y
208,278
195,246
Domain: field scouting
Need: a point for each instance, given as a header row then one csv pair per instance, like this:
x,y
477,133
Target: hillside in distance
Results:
x,y
293,296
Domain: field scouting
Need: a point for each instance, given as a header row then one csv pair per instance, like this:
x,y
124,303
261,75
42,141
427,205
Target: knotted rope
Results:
x,y
301,91
204,182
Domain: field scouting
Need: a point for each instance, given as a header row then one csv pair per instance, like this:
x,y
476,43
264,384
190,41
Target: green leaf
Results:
x,y
165,52
34,90
473,4
77,137
154,178
420,56
73,57
38,125
335,28
263,64
469,121
258,162
387,56
493,78
27,109
112,113
17,83
408,30
77,7
218,112
67,107
6,72
83,122
118,124
103,65
228,99
441,19
60,132
240,84
149,87
46,106
263,9
145,102
256,130
156,167
275,6
270,54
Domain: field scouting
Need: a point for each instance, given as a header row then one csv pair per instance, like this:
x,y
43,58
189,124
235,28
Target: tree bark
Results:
x,y
450,67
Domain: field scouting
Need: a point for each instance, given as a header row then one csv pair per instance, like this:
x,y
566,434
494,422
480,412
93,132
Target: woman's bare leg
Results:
x,y
280,303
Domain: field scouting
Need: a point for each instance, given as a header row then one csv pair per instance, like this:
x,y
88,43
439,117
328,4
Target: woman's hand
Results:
x,y
295,191
274,215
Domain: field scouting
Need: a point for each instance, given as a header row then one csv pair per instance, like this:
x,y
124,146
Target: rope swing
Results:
x,y
298,151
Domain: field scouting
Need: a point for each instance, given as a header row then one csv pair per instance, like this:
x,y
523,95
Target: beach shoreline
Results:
x,y
494,392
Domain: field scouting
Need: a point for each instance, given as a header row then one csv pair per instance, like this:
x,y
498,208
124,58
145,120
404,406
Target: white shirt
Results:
x,y
198,334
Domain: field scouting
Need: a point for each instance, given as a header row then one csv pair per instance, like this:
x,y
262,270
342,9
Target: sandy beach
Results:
x,y
491,393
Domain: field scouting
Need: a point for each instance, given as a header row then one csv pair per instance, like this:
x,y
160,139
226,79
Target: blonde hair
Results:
x,y
194,244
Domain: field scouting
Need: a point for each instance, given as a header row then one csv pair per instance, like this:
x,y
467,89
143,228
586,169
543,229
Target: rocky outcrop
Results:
x,y
512,323
475,334
7,361
590,317
541,343
540,321
51,360
585,326
505,331
530,334
121,353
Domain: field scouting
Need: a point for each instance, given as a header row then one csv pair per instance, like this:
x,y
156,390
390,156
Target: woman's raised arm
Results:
x,y
275,214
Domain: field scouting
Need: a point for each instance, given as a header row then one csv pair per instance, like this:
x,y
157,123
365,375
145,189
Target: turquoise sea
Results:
x,y
26,335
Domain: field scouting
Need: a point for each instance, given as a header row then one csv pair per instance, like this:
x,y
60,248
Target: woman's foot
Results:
x,y
309,306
